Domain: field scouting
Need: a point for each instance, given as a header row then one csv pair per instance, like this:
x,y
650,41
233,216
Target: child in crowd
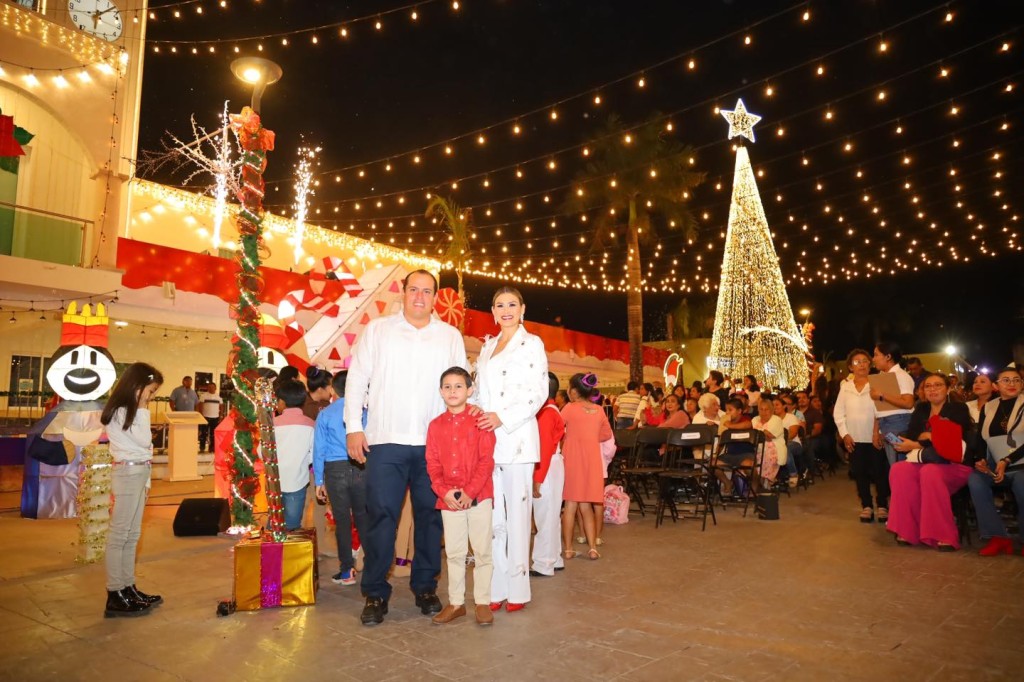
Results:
x,y
548,479
126,417
736,454
294,434
586,426
340,480
318,383
460,462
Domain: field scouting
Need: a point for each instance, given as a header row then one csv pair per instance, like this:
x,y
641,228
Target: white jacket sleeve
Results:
x,y
357,385
839,413
522,405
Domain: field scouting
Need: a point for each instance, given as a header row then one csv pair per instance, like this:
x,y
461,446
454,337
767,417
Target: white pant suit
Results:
x,y
514,385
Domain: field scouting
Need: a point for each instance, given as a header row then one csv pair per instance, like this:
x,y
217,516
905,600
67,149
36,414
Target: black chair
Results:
x,y
748,474
639,474
690,475
625,444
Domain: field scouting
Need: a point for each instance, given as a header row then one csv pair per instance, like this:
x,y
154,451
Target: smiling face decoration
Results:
x,y
82,369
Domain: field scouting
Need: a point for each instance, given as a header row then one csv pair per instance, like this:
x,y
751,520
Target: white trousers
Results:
x,y
461,529
513,495
547,543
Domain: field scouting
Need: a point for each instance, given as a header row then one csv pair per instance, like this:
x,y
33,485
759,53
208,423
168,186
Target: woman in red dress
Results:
x,y
585,427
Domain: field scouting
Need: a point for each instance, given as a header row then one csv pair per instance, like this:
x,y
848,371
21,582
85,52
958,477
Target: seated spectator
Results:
x,y
814,426
783,407
736,454
690,408
710,411
752,391
775,440
920,511
654,412
680,391
1002,429
674,416
695,391
983,390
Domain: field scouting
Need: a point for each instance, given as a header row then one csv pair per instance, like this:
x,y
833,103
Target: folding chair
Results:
x,y
645,465
747,474
625,443
691,474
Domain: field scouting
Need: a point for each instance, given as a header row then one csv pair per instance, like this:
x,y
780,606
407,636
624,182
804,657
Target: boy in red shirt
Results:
x,y
460,462
548,479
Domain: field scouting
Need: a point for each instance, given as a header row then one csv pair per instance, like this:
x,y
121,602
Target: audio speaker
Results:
x,y
202,516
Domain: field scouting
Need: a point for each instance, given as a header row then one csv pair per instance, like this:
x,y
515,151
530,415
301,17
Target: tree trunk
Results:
x,y
634,300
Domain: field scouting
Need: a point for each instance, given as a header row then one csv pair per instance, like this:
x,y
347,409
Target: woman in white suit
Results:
x,y
512,385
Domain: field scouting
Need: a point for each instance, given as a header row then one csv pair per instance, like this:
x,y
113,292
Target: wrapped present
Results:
x,y
271,574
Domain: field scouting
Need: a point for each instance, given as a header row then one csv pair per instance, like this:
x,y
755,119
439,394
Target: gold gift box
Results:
x,y
299,579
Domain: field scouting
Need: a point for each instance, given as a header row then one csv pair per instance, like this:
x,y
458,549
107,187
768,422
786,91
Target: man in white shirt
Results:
x,y
209,407
396,366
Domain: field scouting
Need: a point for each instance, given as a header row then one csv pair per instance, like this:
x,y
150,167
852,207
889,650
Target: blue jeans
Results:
x,y
990,524
894,423
391,470
623,423
794,452
294,505
345,481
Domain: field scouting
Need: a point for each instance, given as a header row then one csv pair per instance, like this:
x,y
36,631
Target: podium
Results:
x,y
183,445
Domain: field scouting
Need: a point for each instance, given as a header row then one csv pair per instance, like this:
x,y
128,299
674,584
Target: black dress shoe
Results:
x,y
120,605
374,611
536,574
428,603
147,599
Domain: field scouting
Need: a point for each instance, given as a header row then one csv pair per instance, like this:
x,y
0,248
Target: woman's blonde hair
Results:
x,y
507,290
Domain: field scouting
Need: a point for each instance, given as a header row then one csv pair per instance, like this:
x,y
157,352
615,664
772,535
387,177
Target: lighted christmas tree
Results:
x,y
755,332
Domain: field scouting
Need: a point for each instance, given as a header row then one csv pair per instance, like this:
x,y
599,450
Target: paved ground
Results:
x,y
815,596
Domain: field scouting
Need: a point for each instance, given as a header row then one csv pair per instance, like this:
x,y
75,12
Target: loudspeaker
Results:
x,y
202,516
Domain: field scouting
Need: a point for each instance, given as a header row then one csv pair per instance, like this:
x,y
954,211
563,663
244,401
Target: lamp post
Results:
x,y
257,72
806,312
255,141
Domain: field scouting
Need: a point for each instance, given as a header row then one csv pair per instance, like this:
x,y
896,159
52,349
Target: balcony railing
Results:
x,y
43,235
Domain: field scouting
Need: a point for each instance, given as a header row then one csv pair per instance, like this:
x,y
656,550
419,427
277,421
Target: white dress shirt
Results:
x,y
854,412
514,385
396,373
773,431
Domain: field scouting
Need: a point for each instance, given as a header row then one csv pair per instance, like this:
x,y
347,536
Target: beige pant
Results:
x,y
461,529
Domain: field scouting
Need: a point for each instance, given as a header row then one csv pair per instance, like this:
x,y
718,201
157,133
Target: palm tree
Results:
x,y
457,222
639,179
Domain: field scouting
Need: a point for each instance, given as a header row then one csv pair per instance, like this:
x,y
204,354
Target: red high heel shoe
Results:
x,y
996,546
510,607
496,605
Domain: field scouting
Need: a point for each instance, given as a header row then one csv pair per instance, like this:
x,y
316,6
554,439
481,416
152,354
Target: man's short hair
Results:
x,y
186,378
633,385
717,376
292,392
338,383
457,371
428,273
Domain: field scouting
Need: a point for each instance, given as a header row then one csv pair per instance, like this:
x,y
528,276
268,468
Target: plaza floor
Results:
x,y
814,596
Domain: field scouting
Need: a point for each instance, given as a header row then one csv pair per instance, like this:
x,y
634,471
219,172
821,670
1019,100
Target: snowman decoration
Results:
x,y
81,371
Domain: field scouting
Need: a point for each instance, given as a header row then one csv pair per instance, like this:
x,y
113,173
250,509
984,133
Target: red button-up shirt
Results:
x,y
460,455
551,427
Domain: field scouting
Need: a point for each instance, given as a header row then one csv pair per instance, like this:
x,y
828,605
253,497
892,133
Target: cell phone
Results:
x,y
457,495
892,438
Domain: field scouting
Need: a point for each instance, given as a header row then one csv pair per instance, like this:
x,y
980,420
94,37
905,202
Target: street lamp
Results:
x,y
257,72
806,312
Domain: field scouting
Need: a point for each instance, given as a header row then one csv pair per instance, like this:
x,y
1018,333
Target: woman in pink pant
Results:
x,y
920,511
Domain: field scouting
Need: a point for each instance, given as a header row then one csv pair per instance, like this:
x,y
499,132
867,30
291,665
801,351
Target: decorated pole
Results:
x,y
255,141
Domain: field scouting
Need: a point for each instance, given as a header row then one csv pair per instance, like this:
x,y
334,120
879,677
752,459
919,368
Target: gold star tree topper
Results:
x,y
741,121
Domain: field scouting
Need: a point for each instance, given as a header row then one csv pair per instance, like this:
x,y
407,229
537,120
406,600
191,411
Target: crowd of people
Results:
x,y
489,456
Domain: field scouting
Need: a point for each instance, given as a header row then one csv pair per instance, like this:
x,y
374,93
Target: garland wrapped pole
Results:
x,y
266,401
255,141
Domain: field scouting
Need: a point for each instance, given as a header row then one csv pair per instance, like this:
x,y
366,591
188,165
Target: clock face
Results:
x,y
101,18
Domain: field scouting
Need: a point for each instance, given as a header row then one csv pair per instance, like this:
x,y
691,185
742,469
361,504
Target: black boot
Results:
x,y
147,599
120,604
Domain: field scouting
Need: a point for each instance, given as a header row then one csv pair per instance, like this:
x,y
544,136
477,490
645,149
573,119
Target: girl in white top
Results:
x,y
126,417
512,385
983,390
854,414
774,431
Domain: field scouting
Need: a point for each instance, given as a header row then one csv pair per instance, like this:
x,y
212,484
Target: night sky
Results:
x,y
939,108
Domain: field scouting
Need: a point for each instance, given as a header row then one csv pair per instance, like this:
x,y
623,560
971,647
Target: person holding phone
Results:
x,y
854,415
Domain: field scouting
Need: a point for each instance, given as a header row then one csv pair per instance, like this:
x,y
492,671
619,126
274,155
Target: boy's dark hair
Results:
x,y
736,403
633,385
552,386
292,392
717,376
338,383
458,371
